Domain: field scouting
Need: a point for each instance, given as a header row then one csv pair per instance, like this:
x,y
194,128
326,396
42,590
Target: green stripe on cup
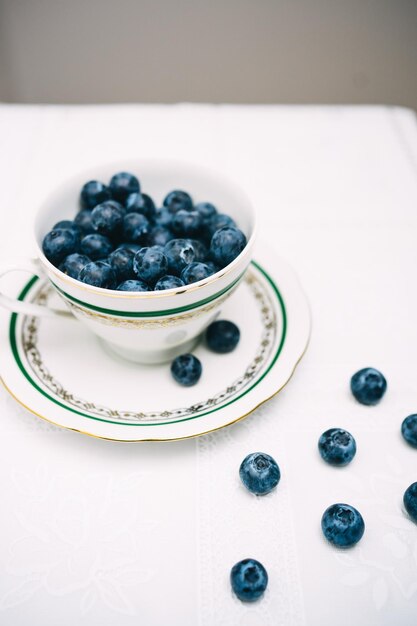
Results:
x,y
13,344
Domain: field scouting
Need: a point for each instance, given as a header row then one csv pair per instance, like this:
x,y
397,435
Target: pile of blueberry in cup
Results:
x,y
342,524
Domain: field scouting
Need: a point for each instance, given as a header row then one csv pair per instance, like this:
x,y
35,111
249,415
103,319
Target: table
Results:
x,y
95,532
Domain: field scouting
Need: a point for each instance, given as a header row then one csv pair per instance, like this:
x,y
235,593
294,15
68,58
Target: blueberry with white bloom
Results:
x,y
168,282
186,370
107,218
150,264
178,200
59,243
194,272
93,193
409,430
121,260
96,246
410,501
141,203
179,252
133,285
342,525
249,579
135,228
226,244
368,386
259,472
122,185
337,446
83,220
98,274
73,264
186,223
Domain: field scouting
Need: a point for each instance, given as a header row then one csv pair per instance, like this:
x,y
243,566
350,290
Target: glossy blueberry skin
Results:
x,y
121,260
141,203
83,221
134,247
93,193
342,525
70,225
122,185
194,272
159,236
135,228
368,386
133,285
337,447
59,243
178,200
107,218
222,336
260,473
150,264
168,282
163,217
207,211
221,220
201,251
96,246
186,369
73,264
226,244
410,501
249,579
186,223
409,430
179,253
98,274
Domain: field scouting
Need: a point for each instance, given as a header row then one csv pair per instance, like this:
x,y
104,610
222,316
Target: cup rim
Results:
x,y
145,295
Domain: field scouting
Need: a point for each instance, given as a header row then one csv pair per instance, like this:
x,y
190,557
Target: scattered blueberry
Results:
x,y
121,260
186,369
260,473
168,282
122,185
160,236
141,203
98,274
249,579
150,264
107,218
177,200
410,501
186,223
179,253
409,430
207,212
96,246
226,244
163,217
133,285
337,446
194,272
342,525
222,336
368,386
58,244
83,221
73,264
220,221
135,228
94,193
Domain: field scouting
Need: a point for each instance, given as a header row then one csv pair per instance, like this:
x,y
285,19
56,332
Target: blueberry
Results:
x,y
134,247
177,200
194,272
259,473
107,218
150,264
342,525
409,430
122,185
121,260
221,220
186,369
98,274
226,244
73,264
179,253
368,386
168,282
83,221
160,236
135,228
93,193
213,267
410,501
249,579
96,246
222,336
69,225
58,244
186,223
163,217
141,203
201,250
207,212
337,446
133,285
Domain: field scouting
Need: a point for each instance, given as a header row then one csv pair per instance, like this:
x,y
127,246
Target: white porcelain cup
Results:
x,y
144,327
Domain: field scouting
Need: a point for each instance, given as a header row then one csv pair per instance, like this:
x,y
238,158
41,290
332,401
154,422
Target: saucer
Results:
x,y
61,372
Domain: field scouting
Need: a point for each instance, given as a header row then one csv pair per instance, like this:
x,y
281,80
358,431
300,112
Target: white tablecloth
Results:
x,y
95,532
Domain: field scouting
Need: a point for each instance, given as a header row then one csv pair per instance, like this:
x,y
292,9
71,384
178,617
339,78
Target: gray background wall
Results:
x,y
301,51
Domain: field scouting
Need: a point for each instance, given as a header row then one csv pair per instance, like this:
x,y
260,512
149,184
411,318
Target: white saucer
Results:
x,y
61,373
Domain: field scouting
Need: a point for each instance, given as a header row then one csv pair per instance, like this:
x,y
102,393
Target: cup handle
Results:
x,y
12,304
